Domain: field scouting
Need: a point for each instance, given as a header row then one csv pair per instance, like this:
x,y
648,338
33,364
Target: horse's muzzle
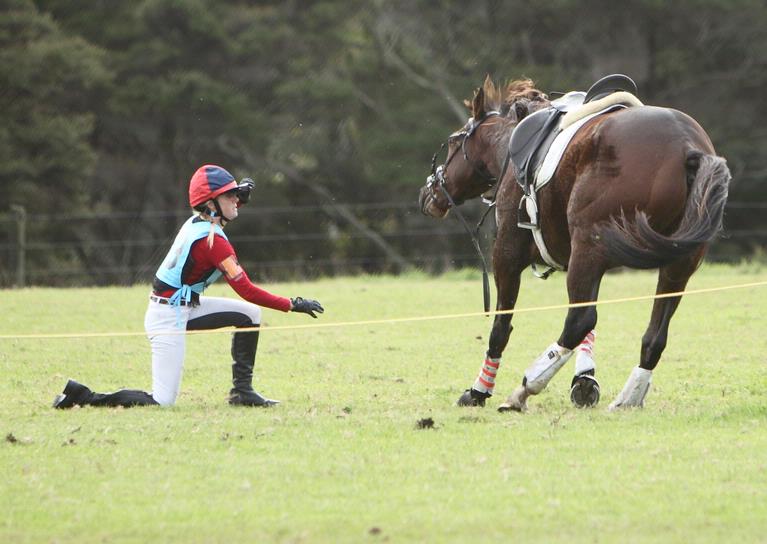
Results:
x,y
428,204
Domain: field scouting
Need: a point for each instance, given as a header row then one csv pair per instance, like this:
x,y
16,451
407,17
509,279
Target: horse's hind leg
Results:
x,y
671,279
583,280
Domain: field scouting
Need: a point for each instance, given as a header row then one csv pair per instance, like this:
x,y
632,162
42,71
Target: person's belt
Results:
x,y
165,300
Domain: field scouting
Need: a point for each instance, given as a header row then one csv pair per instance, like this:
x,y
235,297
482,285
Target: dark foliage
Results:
x,y
108,107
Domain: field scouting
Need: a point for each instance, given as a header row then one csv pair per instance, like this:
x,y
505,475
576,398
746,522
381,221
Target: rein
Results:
x,y
475,242
438,176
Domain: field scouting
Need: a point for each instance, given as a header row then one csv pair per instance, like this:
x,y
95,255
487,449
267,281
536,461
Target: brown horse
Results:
x,y
639,187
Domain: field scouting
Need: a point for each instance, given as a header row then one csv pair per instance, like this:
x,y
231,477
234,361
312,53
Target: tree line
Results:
x,y
108,107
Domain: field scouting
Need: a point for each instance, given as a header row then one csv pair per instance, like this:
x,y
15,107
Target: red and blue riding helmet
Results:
x,y
208,182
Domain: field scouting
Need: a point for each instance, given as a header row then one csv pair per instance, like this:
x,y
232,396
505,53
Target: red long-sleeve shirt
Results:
x,y
203,260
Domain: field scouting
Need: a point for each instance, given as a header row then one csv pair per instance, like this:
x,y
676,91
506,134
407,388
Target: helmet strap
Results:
x,y
219,213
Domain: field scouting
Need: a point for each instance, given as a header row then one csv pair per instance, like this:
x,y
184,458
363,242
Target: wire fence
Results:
x,y
279,242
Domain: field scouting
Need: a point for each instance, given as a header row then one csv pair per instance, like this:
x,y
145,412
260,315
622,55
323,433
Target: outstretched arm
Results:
x,y
226,261
240,282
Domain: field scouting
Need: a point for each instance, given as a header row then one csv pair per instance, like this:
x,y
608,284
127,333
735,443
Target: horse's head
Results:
x,y
475,152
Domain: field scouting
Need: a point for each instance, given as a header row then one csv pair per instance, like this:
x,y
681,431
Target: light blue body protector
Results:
x,y
173,265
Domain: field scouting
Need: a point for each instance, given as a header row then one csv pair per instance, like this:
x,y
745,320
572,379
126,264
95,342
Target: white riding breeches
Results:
x,y
168,350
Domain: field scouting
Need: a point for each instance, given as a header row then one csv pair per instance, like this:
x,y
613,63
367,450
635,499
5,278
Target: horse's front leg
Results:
x,y
508,263
583,279
584,388
482,389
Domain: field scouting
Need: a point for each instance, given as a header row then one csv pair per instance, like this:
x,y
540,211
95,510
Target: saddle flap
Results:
x,y
530,139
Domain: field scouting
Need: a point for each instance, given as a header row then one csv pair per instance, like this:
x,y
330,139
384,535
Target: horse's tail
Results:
x,y
636,245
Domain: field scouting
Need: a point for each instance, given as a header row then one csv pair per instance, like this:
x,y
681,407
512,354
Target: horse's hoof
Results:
x,y
634,392
508,407
622,405
584,391
470,397
517,401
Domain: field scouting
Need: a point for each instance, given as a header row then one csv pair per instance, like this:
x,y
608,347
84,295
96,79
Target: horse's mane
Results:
x,y
503,98
523,89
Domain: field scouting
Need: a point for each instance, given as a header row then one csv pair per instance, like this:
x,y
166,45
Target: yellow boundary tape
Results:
x,y
386,321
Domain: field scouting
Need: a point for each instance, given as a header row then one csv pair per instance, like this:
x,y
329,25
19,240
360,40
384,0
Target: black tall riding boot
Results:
x,y
76,394
244,345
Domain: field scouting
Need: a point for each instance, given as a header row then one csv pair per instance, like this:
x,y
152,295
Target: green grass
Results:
x,y
341,460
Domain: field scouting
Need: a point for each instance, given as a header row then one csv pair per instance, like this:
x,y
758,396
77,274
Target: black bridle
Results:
x,y
437,180
438,172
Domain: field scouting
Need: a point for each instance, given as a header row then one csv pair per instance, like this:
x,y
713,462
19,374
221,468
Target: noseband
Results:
x,y
438,178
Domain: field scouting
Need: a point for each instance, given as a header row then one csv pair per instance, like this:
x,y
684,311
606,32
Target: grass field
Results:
x,y
342,459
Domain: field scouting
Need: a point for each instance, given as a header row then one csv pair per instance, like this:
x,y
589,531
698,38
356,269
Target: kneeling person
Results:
x,y
201,253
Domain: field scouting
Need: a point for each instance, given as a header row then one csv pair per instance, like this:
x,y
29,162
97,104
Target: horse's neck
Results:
x,y
501,144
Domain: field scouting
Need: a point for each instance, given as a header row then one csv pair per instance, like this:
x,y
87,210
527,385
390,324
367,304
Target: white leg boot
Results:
x,y
537,377
634,391
548,363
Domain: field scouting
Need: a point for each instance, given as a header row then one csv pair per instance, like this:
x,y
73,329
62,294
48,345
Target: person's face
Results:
x,y
228,202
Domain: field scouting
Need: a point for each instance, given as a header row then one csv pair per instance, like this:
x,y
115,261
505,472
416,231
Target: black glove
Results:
x,y
243,190
306,306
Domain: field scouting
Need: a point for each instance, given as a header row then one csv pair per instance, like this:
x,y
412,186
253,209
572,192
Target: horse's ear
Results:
x,y
489,87
478,105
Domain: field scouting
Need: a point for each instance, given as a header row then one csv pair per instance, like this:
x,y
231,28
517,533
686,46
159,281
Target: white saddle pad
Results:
x,y
549,164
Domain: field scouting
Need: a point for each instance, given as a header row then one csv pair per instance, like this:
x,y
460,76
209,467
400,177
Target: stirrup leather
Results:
x,y
530,204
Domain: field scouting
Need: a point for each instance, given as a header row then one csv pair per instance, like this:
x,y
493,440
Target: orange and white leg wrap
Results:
x,y
584,358
485,381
